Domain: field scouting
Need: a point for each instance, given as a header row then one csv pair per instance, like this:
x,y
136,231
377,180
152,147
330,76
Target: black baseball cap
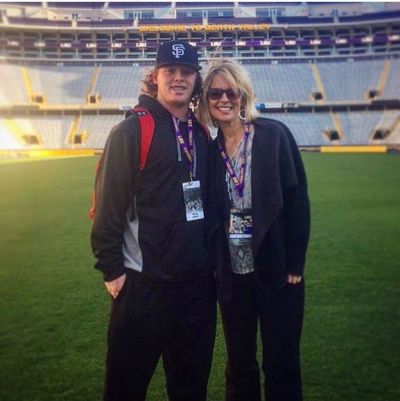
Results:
x,y
177,52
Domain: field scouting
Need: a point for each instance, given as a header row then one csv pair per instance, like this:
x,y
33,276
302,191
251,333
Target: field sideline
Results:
x,y
54,308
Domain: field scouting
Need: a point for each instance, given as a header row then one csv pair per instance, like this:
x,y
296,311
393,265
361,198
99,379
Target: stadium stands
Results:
x,y
350,80
304,20
12,85
108,22
370,17
307,128
359,126
330,72
61,84
392,88
115,86
38,22
282,82
276,82
68,4
51,130
119,85
98,128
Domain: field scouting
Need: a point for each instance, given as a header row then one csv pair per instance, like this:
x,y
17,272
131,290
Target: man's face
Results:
x,y
175,85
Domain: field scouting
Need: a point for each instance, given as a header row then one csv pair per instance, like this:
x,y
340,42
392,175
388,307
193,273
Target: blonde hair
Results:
x,y
238,80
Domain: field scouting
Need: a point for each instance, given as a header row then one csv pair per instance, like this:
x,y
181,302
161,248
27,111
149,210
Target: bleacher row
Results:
x,y
66,86
117,85
53,132
69,84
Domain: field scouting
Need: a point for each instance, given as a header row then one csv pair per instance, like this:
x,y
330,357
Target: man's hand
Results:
x,y
115,286
292,279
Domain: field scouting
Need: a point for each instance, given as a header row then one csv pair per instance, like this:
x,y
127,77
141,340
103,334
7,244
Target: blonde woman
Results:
x,y
259,186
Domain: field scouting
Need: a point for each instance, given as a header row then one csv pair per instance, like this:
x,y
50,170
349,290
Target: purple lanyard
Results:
x,y
237,181
186,149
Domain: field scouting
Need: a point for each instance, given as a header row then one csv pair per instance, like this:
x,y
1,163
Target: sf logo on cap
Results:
x,y
178,50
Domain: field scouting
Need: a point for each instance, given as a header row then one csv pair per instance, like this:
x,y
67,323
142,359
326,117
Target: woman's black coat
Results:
x,y
280,208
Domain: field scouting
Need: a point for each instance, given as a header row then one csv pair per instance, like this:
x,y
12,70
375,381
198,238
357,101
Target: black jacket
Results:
x,y
280,208
158,241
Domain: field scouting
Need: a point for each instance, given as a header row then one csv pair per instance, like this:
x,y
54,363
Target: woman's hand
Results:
x,y
292,279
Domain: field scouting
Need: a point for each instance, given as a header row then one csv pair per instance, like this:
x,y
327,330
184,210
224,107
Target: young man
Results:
x,y
150,245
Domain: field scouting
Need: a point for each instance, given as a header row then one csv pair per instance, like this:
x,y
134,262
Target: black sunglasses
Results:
x,y
216,94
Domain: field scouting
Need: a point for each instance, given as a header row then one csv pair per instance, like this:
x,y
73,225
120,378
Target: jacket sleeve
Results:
x,y
113,189
296,207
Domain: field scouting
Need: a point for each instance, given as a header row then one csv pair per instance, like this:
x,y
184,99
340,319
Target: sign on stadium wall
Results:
x,y
184,28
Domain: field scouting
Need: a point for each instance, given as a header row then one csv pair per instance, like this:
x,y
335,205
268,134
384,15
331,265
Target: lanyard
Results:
x,y
187,149
237,181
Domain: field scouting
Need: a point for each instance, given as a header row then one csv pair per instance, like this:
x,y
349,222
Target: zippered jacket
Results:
x,y
140,219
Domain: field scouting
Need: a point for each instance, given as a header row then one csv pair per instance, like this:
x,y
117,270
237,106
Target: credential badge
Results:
x,y
178,50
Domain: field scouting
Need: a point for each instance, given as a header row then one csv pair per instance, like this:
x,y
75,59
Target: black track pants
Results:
x,y
149,319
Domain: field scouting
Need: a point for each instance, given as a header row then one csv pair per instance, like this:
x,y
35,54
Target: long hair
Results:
x,y
150,88
238,80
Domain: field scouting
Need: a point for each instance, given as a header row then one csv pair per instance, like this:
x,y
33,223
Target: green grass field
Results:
x,y
54,307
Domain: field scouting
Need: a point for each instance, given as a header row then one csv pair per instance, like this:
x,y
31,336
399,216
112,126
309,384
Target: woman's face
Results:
x,y
223,101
